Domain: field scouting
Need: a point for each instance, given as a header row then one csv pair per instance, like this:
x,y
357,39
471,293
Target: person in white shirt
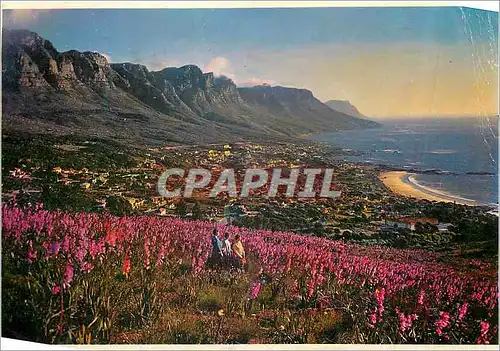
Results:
x,y
227,250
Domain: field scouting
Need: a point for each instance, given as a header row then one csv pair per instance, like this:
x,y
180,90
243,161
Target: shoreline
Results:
x,y
401,182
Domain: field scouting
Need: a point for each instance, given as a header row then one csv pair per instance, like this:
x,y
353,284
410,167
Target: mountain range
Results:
x,y
80,93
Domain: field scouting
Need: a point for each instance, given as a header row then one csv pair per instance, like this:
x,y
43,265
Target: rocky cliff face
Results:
x,y
33,62
138,81
26,59
202,92
173,101
85,68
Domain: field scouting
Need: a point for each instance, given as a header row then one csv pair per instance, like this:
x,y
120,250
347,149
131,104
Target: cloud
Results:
x,y
255,81
23,17
108,57
220,66
158,65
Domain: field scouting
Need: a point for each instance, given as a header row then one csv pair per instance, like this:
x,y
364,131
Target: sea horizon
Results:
x,y
457,159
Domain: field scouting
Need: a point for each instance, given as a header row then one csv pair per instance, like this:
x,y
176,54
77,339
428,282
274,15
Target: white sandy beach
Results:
x,y
399,183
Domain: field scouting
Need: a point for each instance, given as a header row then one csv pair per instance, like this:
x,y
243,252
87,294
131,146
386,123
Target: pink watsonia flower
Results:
x,y
87,267
94,249
146,252
483,338
380,298
111,237
32,256
54,248
68,275
462,311
254,292
310,287
160,258
65,245
193,262
405,322
79,253
373,320
126,264
443,322
196,264
421,295
199,266
56,290
288,264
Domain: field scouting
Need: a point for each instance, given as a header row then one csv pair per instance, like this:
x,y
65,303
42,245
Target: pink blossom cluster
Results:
x,y
255,290
405,321
382,278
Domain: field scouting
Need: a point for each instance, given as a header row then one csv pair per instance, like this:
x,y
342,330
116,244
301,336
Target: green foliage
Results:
x,y
197,214
119,206
181,209
66,197
42,150
210,300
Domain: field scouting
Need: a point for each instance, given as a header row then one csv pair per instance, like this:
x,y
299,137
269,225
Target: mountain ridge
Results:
x,y
47,91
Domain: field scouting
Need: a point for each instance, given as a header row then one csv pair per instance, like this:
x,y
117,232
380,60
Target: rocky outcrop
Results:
x,y
228,91
191,85
141,83
85,68
344,106
27,60
32,62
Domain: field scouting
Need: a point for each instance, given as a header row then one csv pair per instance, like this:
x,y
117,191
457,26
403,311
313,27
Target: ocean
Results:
x,y
459,147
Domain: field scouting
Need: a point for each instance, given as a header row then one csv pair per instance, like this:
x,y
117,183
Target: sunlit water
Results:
x,y
455,146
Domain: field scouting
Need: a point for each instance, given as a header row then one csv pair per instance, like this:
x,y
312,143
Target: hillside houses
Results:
x,y
406,223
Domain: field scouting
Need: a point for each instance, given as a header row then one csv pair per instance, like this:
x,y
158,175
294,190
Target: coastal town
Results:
x,y
367,211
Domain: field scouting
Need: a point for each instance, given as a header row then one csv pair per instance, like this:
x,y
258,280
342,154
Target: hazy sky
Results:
x,y
386,61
